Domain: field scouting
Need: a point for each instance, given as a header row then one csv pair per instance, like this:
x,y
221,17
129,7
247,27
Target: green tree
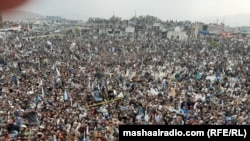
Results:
x,y
147,19
133,18
151,19
115,19
141,18
77,31
213,44
90,20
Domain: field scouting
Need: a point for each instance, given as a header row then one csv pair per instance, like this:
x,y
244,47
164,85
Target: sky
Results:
x,y
194,10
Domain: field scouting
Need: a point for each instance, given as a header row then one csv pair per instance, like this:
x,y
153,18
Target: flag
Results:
x,y
179,105
84,138
37,99
49,43
14,79
124,84
99,88
53,67
18,82
54,137
70,98
90,57
89,85
163,85
57,72
65,97
41,82
54,84
42,92
97,96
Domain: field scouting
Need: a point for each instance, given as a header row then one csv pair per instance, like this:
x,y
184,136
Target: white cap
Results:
x,y
24,126
244,99
104,110
42,127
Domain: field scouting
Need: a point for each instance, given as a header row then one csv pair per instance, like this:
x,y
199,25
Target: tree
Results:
x,y
133,18
213,44
147,19
77,31
115,19
151,19
91,20
141,18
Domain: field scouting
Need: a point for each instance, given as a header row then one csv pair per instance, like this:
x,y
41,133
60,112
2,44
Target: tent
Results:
x,y
225,35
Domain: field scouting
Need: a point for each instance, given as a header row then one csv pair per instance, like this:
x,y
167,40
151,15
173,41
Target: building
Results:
x,y
130,30
54,19
215,28
156,26
244,31
177,34
194,31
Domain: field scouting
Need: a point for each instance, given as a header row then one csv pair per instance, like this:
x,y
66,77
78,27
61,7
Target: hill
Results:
x,y
20,15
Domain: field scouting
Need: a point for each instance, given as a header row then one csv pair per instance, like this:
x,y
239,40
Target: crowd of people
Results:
x,y
65,89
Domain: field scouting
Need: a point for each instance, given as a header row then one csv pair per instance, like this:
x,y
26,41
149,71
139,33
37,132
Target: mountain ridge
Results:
x,y
20,15
233,20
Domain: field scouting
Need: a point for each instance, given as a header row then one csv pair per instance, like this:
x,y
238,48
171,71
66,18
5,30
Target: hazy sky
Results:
x,y
164,9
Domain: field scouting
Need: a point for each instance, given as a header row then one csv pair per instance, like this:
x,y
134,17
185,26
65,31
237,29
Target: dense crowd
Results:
x,y
64,89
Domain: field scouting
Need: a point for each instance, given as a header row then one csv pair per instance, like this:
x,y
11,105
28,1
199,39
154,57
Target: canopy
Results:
x,y
203,33
225,34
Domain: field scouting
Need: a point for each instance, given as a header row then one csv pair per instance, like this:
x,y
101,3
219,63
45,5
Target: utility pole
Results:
x,y
223,25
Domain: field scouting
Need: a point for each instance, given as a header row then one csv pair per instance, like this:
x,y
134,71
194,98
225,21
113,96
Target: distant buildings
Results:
x,y
177,34
140,28
54,19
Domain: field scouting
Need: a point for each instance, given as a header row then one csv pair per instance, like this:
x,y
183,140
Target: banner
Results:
x,y
185,132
